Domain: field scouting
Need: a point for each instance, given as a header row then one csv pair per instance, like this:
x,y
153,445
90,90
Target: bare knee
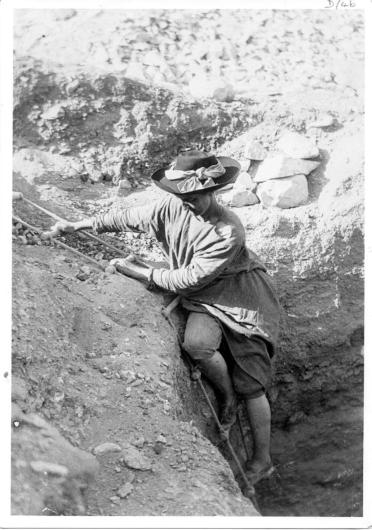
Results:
x,y
198,349
202,336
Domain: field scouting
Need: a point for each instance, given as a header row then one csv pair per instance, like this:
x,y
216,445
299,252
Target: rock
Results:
x,y
279,166
60,470
139,442
37,421
129,476
82,276
53,113
243,198
48,467
202,87
297,146
128,375
125,490
124,187
65,14
158,447
242,192
245,181
239,197
326,120
72,86
106,447
124,184
161,439
115,499
287,192
254,150
135,460
222,91
244,165
19,389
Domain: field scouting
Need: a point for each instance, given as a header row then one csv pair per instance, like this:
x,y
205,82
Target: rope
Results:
x,y
87,234
243,437
59,243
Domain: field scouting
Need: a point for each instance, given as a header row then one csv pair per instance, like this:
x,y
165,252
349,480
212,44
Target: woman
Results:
x,y
223,285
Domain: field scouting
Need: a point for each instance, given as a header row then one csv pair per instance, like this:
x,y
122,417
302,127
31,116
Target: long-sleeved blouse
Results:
x,y
209,264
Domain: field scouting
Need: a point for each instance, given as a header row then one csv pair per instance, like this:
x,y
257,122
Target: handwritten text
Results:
x,y
336,4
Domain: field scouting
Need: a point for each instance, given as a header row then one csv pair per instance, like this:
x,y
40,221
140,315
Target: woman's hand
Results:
x,y
133,267
68,227
59,228
64,226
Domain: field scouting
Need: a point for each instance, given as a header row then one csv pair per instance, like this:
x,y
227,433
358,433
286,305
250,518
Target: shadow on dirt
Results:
x,y
317,179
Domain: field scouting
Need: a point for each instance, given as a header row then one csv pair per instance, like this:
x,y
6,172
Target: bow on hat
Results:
x,y
195,179
196,171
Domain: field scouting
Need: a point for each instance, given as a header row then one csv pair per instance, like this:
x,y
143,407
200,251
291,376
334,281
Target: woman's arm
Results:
x,y
69,226
138,219
206,265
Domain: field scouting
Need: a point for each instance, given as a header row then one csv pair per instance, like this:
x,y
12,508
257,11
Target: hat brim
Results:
x,y
232,168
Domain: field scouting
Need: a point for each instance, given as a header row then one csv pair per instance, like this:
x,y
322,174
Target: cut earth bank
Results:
x,y
88,354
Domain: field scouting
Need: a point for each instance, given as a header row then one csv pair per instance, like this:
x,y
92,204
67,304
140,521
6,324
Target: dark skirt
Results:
x,y
247,309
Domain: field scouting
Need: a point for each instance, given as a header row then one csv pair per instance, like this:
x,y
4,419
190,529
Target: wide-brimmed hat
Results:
x,y
196,172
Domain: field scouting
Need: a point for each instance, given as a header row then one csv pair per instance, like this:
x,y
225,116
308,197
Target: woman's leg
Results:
x,y
202,339
259,415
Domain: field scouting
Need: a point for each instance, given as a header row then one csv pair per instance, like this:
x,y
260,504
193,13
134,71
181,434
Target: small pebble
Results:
x,y
114,499
158,448
48,467
323,121
128,375
139,442
106,447
161,439
125,490
82,276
